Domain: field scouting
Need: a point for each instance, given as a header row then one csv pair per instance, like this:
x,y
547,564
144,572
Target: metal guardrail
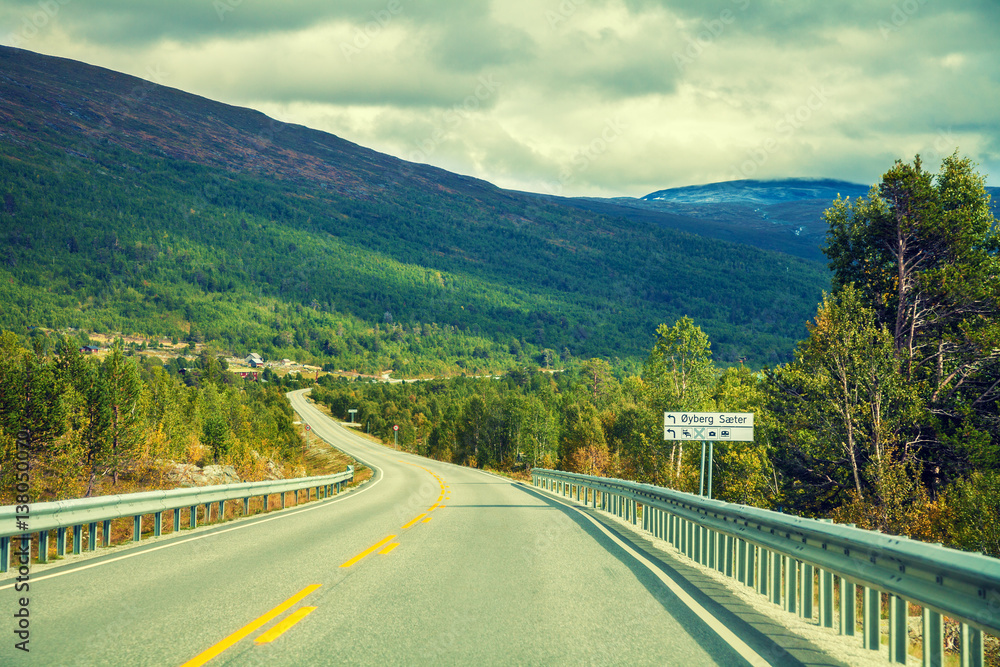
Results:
x,y
786,558
41,518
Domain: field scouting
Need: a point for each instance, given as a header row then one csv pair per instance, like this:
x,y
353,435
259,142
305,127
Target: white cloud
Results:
x,y
698,92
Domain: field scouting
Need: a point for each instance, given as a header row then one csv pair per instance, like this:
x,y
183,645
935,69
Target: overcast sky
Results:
x,y
575,97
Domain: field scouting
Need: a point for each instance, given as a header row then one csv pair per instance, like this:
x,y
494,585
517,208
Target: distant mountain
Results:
x,y
759,193
783,215
128,206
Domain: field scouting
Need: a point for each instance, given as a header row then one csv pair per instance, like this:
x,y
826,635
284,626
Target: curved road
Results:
x,y
428,563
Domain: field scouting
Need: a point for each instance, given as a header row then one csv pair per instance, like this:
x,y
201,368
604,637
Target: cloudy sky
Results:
x,y
575,97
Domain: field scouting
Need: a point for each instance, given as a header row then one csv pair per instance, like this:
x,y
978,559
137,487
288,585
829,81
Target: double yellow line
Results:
x,y
387,542
386,545
260,622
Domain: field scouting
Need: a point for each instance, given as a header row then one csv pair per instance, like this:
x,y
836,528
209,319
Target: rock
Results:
x,y
221,475
186,475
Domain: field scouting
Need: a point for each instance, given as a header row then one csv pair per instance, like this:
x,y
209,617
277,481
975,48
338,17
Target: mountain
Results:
x,y
133,207
759,193
783,215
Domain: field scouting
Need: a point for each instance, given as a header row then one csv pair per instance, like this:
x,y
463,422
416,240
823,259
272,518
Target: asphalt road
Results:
x,y
428,563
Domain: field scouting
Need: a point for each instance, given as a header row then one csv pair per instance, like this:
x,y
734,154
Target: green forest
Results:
x,y
888,415
413,280
93,427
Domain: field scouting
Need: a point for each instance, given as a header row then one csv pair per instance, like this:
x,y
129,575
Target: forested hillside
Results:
x,y
888,416
130,207
93,427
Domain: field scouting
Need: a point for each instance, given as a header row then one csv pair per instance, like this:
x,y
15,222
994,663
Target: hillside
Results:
x,y
784,215
138,208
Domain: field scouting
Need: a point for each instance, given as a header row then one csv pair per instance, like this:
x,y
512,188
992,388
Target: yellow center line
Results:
x,y
427,519
283,627
418,518
216,649
368,551
389,547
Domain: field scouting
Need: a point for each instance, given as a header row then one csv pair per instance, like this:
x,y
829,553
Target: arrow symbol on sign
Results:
x,y
673,433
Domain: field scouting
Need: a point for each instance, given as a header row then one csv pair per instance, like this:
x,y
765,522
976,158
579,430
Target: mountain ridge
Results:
x,y
143,207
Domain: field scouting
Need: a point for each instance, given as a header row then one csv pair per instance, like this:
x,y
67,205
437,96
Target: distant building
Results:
x,y
90,349
254,360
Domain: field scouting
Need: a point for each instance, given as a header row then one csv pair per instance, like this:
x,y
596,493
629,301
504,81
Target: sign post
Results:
x,y
352,412
708,427
395,435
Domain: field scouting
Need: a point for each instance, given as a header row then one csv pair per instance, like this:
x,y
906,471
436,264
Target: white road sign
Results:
x,y
736,426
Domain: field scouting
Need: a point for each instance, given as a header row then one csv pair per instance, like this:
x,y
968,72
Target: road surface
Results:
x,y
427,563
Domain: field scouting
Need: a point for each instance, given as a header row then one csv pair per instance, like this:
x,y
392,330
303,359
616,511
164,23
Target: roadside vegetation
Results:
x,y
114,425
886,417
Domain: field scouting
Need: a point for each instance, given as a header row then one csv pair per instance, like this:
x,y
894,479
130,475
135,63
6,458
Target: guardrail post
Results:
x,y
826,598
136,527
106,532
713,549
728,562
741,560
873,618
157,524
177,519
77,539
933,638
193,517
775,590
791,584
222,511
92,536
972,646
806,608
751,567
848,598
899,630
61,541
4,554
246,506
43,546
763,571
283,500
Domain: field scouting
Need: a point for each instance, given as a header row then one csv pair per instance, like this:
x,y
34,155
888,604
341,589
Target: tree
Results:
x,y
582,447
31,399
922,252
680,369
680,373
843,398
124,392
